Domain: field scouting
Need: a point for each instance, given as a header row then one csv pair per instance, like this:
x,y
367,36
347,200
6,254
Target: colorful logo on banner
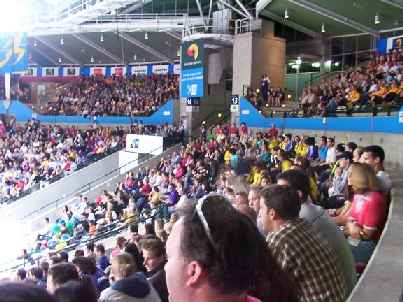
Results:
x,y
192,79
193,51
13,53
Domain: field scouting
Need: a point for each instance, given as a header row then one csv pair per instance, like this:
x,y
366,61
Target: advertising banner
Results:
x,y
149,144
160,69
139,69
192,70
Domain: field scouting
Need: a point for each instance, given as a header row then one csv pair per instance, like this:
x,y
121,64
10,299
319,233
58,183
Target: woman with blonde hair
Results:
x,y
368,212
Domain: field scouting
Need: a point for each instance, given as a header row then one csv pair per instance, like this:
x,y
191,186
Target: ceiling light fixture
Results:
x,y
61,41
60,60
377,19
146,36
101,38
323,28
92,59
286,16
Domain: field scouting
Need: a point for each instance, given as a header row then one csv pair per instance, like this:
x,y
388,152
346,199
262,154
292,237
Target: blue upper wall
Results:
x,y
23,113
386,124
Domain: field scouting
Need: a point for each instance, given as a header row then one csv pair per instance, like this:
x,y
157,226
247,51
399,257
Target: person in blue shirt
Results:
x,y
323,148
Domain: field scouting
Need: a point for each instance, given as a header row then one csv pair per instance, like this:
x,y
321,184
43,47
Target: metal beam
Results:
x,y
46,56
261,5
334,16
296,26
58,50
394,3
134,6
233,8
97,48
173,35
244,9
210,9
201,13
147,48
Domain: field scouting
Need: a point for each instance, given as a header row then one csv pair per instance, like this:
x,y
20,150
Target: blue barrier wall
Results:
x,y
386,124
23,113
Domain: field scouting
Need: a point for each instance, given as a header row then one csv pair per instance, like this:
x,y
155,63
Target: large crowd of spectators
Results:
x,y
137,95
230,216
378,82
34,155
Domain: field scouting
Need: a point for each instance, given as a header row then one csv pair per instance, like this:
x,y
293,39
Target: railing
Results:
x,y
90,160
108,230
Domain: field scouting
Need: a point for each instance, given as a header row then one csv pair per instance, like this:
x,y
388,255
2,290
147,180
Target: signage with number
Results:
x,y
193,101
234,99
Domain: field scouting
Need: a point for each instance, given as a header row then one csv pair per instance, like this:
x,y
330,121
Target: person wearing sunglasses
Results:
x,y
215,253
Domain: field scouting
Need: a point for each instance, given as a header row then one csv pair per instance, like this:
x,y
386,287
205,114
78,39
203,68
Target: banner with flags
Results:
x,y
13,52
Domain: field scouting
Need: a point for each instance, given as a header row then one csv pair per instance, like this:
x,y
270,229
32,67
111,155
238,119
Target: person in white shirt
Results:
x,y
375,156
331,151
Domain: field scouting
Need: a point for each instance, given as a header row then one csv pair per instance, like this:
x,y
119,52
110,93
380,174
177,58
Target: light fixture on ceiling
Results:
x,y
286,16
146,36
323,30
178,53
101,38
60,59
377,19
92,59
35,44
135,57
61,41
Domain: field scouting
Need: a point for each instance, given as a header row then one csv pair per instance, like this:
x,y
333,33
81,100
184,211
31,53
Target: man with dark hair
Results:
x,y
103,261
298,247
59,274
154,261
91,249
322,148
35,274
21,274
216,253
322,223
375,156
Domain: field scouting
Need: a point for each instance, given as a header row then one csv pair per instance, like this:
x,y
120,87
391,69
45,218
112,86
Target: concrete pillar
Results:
x,y
257,53
216,98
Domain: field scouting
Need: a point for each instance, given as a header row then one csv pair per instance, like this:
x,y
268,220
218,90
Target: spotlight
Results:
x,y
377,19
146,36
61,41
101,38
92,59
35,44
286,16
219,115
60,60
323,28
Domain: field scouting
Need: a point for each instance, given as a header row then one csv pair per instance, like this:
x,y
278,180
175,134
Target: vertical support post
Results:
x,y
7,83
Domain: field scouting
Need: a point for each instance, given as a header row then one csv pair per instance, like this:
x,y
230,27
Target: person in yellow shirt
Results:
x,y
285,163
273,143
301,148
353,96
227,157
377,97
393,92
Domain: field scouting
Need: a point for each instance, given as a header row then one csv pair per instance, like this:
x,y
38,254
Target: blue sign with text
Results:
x,y
192,84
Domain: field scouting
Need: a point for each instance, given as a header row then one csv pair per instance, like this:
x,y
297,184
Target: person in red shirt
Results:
x,y
233,130
367,214
273,131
